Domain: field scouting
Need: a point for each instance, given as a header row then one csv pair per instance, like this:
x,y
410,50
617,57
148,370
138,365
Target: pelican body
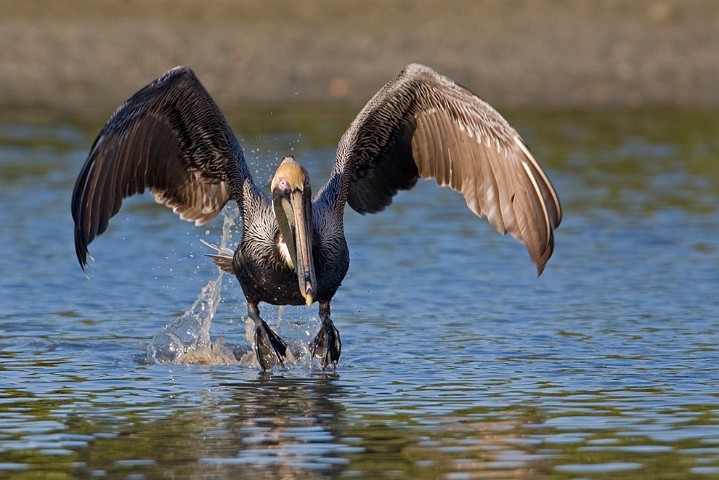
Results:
x,y
171,138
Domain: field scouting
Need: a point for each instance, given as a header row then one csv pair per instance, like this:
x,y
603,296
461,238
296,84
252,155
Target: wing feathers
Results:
x,y
171,138
449,134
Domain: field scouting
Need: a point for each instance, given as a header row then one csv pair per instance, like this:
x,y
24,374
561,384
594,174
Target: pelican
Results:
x,y
172,139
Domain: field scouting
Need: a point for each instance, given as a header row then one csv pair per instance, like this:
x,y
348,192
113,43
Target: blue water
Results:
x,y
457,361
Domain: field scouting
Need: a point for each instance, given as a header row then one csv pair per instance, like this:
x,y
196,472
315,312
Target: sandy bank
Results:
x,y
88,56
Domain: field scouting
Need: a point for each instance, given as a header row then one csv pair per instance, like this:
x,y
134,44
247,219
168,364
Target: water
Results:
x,y
457,362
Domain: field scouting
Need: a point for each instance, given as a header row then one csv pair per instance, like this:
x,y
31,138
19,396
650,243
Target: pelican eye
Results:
x,y
283,185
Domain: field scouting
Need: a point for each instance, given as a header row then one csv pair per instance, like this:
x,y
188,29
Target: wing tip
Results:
x,y
540,267
542,258
82,259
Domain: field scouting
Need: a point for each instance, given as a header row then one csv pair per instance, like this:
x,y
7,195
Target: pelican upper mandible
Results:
x,y
171,138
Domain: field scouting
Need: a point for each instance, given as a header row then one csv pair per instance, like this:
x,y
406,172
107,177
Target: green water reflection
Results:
x,y
278,427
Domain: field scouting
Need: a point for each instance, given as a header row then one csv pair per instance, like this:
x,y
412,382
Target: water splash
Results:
x,y
187,338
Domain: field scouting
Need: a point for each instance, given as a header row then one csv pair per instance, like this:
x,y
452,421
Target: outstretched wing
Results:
x,y
171,138
422,124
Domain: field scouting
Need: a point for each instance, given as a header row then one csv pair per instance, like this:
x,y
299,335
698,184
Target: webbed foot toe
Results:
x,y
327,344
269,347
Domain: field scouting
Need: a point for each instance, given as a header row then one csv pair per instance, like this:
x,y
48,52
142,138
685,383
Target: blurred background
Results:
x,y
85,56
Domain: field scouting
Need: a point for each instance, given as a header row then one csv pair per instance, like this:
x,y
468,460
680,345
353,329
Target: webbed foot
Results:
x,y
269,347
327,344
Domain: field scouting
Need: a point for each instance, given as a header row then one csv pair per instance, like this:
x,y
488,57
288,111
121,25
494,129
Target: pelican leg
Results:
x,y
269,347
327,344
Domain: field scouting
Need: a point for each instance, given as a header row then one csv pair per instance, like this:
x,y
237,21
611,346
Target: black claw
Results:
x,y
269,347
327,344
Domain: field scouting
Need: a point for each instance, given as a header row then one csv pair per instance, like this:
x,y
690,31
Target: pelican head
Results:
x,y
292,203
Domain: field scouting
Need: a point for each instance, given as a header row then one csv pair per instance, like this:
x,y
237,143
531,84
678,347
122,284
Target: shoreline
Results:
x,y
84,57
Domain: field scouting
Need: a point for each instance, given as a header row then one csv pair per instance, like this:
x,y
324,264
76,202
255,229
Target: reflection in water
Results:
x,y
286,427
271,427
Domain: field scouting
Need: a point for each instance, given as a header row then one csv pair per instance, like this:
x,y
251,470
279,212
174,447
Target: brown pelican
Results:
x,y
171,138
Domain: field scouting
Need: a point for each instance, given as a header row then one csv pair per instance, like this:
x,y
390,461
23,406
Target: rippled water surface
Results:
x,y
457,361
